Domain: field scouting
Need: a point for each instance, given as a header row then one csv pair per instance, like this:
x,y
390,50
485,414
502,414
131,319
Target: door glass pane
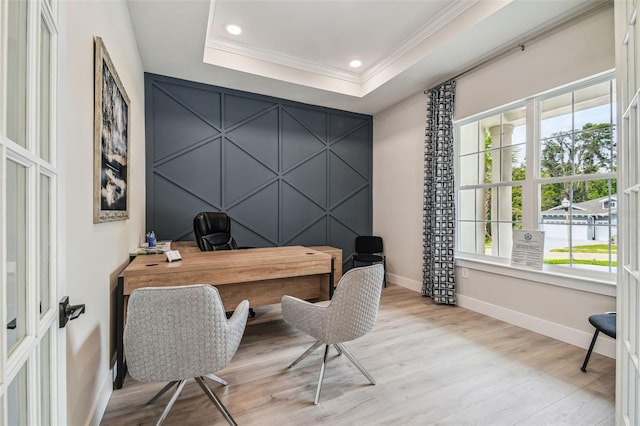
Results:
x,y
45,74
17,399
45,379
17,72
45,241
16,253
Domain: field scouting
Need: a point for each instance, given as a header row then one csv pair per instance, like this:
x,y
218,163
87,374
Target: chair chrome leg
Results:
x,y
356,363
171,402
586,359
215,378
307,352
324,363
337,349
216,401
162,391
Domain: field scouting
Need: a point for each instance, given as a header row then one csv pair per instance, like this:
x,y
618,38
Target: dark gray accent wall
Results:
x,y
287,173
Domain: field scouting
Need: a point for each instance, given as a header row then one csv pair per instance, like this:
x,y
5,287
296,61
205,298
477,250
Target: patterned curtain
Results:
x,y
438,280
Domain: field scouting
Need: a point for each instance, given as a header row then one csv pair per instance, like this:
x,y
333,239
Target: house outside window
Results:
x,y
546,163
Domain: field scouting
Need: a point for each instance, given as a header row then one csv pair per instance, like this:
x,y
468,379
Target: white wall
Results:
x,y
582,49
95,253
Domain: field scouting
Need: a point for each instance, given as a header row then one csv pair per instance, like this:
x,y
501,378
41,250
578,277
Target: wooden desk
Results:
x,y
261,275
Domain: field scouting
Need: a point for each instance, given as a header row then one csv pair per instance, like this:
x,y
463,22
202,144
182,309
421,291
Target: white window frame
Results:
x,y
587,280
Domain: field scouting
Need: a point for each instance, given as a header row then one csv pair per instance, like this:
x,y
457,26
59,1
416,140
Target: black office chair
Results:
x,y
369,250
213,231
602,322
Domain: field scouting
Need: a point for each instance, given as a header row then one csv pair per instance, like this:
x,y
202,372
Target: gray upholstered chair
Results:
x,y
350,314
175,333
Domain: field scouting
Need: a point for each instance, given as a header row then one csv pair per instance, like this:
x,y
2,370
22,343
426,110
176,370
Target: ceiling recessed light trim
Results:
x,y
233,29
356,63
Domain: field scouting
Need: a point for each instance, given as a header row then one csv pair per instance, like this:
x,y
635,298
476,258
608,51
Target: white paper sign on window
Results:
x,y
528,249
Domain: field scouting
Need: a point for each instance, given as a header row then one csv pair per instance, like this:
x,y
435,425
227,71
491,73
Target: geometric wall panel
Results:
x,y
314,235
340,125
175,126
243,173
238,108
297,142
352,212
170,203
298,211
351,147
199,161
287,173
259,138
314,120
306,176
343,237
260,210
343,179
204,103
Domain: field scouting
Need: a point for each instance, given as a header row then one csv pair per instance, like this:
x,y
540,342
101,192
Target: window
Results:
x,y
546,163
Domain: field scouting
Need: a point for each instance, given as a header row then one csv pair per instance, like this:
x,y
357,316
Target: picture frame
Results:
x,y
112,114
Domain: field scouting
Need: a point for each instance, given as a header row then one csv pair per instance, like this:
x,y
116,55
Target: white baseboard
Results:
x,y
604,346
404,282
102,400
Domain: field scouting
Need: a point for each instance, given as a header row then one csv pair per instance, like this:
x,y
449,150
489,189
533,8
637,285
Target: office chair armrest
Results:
x,y
235,327
305,316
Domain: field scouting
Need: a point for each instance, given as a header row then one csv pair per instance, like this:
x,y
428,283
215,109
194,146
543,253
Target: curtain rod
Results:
x,y
522,45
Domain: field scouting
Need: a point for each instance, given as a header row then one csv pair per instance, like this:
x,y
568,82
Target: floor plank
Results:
x,y
433,364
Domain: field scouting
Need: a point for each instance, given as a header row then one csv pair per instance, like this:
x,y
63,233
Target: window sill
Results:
x,y
596,282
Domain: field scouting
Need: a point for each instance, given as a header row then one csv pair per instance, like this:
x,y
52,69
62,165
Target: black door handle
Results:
x,y
69,312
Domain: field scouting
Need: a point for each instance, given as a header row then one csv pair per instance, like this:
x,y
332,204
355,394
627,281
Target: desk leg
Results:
x,y
120,366
331,278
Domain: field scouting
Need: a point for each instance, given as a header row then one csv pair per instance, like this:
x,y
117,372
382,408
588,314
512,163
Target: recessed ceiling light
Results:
x,y
233,29
355,63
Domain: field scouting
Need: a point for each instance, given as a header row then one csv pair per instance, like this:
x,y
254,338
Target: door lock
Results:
x,y
69,312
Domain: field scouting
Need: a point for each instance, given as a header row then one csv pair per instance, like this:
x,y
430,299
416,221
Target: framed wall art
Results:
x,y
111,140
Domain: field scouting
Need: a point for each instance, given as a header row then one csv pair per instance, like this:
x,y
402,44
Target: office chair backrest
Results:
x,y
178,332
213,231
354,306
368,244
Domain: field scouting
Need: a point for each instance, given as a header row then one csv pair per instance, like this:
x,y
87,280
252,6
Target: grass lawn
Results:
x,y
580,262
592,248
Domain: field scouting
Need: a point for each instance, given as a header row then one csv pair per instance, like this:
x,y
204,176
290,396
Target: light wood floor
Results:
x,y
433,365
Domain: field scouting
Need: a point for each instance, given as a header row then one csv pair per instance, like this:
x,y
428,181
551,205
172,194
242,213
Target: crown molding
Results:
x,y
427,30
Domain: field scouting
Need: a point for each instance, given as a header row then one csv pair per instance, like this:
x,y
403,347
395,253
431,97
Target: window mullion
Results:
x,y
530,198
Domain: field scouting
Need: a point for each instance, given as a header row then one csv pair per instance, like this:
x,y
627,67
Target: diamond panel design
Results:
x,y
342,237
343,180
305,178
339,125
243,173
286,173
174,210
315,121
297,142
175,127
259,138
314,235
261,211
354,212
352,147
238,108
205,103
297,212
205,177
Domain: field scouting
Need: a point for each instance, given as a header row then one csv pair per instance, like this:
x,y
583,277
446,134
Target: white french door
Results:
x,y
32,348
628,295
